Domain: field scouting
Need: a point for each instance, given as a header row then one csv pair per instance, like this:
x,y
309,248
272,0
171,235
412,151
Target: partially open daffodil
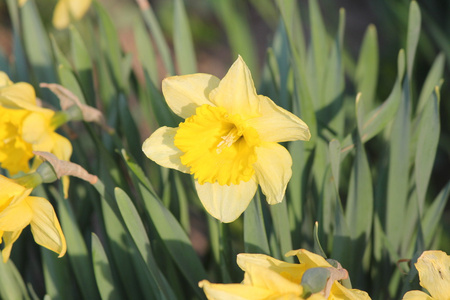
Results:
x,y
228,141
434,275
18,209
268,278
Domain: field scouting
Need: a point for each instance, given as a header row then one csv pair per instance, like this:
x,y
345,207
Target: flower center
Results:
x,y
217,147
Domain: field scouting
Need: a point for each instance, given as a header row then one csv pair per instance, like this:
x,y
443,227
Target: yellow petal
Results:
x,y
265,278
434,273
185,93
273,170
292,272
160,148
45,226
37,132
62,148
9,191
226,202
339,292
218,291
416,295
4,80
309,259
16,216
236,91
9,237
78,8
22,2
61,16
276,124
18,95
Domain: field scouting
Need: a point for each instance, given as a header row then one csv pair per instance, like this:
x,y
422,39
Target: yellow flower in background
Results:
x,y
68,10
269,278
25,127
434,275
228,141
18,210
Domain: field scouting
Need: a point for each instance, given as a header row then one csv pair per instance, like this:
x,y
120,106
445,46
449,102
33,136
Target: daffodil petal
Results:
x,y
9,237
160,148
45,225
15,217
236,91
78,8
36,132
292,272
262,277
226,202
9,190
235,291
417,295
434,273
18,95
273,170
185,93
277,124
62,148
339,292
61,16
309,259
4,80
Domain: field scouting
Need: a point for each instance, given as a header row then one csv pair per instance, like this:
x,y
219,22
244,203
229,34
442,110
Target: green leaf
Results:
x,y
146,52
129,129
231,15
281,228
432,80
155,29
76,248
82,65
414,23
378,118
119,243
38,49
334,151
397,185
433,215
110,45
170,231
255,236
157,281
102,270
11,282
366,75
429,131
182,40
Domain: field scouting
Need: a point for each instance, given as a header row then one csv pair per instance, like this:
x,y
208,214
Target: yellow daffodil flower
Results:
x,y
269,278
18,210
434,275
228,141
67,10
25,127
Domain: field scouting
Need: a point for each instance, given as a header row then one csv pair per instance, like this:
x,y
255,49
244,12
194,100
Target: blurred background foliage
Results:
x,y
309,57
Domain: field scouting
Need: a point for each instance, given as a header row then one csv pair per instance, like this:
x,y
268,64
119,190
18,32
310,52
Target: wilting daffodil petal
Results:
x,y
18,210
434,274
339,292
228,140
